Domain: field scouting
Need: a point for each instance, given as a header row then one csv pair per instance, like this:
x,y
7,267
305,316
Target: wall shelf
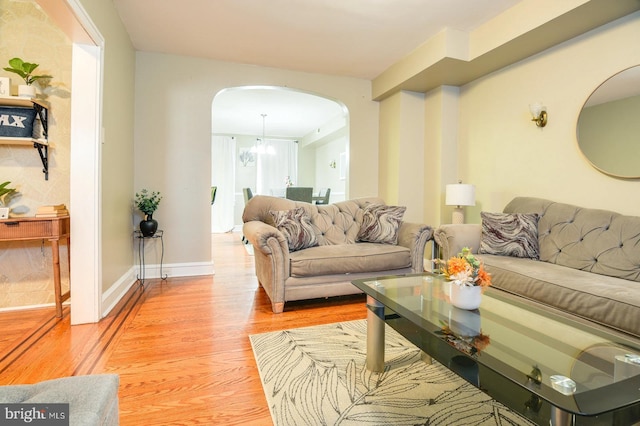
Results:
x,y
40,144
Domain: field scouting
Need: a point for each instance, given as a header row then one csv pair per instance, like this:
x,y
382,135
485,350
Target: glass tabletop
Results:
x,y
574,365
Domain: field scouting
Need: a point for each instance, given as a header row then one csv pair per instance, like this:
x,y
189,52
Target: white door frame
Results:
x,y
85,153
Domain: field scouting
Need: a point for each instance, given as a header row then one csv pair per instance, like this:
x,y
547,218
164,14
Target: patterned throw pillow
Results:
x,y
297,228
509,234
380,223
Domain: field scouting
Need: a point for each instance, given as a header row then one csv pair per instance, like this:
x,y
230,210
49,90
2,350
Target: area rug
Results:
x,y
317,376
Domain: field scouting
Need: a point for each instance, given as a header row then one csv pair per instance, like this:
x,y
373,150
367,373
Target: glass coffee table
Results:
x,y
551,367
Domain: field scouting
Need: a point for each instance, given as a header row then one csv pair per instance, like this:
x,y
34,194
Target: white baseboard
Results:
x,y
181,270
112,296
117,291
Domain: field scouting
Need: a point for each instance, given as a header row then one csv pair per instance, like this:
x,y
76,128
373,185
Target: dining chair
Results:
x,y
299,193
214,189
323,196
248,194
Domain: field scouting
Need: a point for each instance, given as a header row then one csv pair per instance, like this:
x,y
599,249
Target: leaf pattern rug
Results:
x,y
317,376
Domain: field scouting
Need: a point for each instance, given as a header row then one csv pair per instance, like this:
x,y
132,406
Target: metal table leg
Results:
x,y
561,418
375,335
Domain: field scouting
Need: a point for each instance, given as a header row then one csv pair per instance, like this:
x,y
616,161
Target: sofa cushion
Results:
x,y
509,234
296,226
380,223
348,258
610,301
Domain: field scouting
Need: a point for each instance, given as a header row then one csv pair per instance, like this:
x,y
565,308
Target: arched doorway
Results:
x,y
312,129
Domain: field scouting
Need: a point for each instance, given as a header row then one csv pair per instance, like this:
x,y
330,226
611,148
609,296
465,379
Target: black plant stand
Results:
x,y
141,249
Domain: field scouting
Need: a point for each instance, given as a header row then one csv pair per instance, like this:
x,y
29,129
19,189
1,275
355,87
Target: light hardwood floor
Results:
x,y
180,346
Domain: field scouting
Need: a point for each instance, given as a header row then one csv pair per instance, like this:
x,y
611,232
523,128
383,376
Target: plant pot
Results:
x,y
26,91
4,213
149,226
465,296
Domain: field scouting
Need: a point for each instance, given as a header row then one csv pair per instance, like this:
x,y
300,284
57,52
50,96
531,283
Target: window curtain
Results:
x,y
223,175
275,165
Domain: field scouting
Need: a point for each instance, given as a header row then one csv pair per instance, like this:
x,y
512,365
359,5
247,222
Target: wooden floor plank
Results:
x,y
181,346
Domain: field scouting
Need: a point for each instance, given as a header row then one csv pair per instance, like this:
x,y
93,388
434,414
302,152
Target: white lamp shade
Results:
x,y
460,194
536,108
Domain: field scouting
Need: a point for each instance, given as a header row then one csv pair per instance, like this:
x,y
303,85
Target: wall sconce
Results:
x,y
460,194
539,113
332,164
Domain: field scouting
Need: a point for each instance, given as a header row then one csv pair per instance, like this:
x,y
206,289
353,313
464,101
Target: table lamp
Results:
x,y
460,194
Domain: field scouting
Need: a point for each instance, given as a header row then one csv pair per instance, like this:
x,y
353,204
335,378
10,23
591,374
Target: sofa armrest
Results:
x,y
271,258
414,236
452,238
258,234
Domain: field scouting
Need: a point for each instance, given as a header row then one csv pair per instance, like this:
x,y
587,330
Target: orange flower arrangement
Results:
x,y
466,269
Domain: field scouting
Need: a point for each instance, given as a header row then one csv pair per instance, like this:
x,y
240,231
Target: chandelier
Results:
x,y
261,146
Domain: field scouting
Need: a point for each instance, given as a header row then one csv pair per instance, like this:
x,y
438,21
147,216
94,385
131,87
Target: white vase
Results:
x,y
26,91
463,322
465,296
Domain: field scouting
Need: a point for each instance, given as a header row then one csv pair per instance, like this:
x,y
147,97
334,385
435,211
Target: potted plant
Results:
x,y
468,279
147,202
25,70
5,195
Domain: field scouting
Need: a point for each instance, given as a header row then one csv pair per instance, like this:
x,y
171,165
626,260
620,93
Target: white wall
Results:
x,y
327,176
402,153
173,137
504,154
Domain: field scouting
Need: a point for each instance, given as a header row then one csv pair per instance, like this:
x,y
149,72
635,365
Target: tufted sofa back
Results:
x,y
336,223
598,241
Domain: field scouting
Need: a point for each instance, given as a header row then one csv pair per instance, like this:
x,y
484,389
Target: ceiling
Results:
x,y
289,113
353,38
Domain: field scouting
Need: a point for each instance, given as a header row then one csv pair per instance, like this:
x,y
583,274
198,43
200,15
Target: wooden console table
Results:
x,y
42,228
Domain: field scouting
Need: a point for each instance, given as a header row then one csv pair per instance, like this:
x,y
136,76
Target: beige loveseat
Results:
x,y
93,399
327,268
589,261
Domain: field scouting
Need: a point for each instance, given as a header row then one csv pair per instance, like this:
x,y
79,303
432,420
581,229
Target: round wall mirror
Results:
x,y
609,126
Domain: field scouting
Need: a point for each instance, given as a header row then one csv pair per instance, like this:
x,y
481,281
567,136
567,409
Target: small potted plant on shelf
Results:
x,y
147,202
6,194
25,70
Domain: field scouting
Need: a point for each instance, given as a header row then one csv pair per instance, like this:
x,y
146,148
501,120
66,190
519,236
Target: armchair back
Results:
x,y
336,223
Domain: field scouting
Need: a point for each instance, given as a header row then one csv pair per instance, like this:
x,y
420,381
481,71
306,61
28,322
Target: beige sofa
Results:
x,y
328,268
93,399
589,261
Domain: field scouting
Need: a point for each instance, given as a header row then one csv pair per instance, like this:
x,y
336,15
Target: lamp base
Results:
x,y
457,216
